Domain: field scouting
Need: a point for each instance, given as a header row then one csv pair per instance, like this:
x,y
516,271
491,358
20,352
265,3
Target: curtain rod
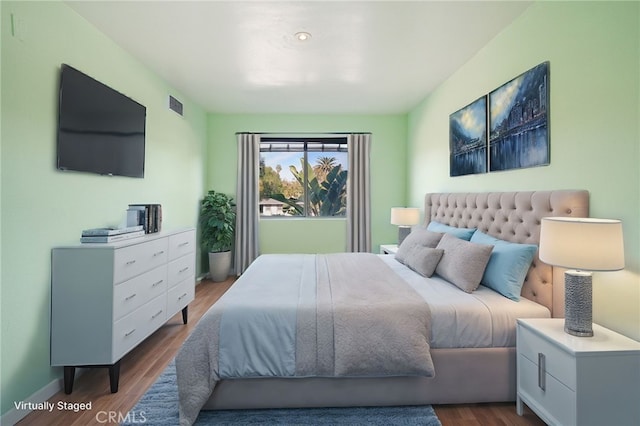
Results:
x,y
289,134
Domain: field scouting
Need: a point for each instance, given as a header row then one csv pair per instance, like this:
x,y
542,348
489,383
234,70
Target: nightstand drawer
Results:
x,y
558,363
556,404
569,380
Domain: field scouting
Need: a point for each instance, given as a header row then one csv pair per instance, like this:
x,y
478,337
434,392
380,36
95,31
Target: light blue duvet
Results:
x,y
336,315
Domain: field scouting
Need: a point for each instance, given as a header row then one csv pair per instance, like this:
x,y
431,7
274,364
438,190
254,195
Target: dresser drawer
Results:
x,y
558,363
131,294
181,268
133,328
556,404
181,244
138,258
180,295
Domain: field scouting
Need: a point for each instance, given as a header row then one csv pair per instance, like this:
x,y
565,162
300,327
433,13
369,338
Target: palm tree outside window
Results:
x,y
303,177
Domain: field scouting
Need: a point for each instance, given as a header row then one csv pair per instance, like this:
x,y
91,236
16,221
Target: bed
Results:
x,y
459,364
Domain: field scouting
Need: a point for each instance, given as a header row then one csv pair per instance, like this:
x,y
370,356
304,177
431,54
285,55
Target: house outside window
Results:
x,y
303,177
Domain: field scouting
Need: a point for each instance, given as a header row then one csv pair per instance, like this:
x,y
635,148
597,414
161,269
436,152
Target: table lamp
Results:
x,y
405,218
582,245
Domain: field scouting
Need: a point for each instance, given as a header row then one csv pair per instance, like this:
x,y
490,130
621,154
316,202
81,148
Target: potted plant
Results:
x,y
218,221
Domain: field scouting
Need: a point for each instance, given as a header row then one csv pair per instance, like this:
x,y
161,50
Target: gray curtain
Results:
x,y
247,195
358,194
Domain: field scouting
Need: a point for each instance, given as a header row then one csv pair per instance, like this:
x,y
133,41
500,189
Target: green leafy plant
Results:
x,y
327,197
218,221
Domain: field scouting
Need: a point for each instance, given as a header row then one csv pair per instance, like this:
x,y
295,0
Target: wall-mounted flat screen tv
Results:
x,y
99,129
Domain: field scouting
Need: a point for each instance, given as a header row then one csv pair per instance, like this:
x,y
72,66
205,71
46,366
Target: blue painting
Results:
x,y
468,139
518,121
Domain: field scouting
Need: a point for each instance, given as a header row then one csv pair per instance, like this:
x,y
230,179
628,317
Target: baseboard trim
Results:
x,y
14,415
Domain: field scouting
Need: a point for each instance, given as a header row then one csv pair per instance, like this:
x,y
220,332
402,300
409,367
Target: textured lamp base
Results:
x,y
578,316
403,231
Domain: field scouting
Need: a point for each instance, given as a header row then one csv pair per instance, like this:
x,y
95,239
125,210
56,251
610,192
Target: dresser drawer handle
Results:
x,y
158,253
181,297
156,315
542,371
157,283
129,333
130,297
183,244
131,262
183,270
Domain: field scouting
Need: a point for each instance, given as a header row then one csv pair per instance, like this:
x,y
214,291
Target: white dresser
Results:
x,y
569,380
107,298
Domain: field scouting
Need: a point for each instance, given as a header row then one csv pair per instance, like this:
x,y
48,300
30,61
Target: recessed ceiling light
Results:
x,y
302,36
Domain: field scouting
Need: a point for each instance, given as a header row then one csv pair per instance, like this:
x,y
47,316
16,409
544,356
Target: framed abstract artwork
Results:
x,y
468,139
519,121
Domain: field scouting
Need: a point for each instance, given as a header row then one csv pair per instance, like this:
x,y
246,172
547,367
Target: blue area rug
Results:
x,y
159,407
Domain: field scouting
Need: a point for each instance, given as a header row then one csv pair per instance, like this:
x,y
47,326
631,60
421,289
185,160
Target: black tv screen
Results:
x,y
99,129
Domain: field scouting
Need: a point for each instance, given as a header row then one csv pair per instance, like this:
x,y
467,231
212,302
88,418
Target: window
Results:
x,y
303,177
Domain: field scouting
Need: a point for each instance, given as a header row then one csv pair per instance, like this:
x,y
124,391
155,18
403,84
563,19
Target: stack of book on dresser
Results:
x,y
110,235
147,215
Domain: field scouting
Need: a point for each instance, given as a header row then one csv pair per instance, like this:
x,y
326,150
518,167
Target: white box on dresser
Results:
x,y
568,380
106,298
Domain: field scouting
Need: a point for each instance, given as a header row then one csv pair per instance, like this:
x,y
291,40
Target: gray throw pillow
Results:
x,y
463,263
419,236
424,260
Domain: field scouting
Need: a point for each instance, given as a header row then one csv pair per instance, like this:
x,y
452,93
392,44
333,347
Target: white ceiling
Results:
x,y
364,57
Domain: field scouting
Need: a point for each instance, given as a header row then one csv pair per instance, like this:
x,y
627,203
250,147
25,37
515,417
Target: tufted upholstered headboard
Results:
x,y
515,217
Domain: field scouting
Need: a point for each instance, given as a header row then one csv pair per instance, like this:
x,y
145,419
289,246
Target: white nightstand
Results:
x,y
569,380
388,249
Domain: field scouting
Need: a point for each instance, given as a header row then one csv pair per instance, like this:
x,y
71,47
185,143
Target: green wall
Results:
x,y
593,49
388,159
42,207
594,54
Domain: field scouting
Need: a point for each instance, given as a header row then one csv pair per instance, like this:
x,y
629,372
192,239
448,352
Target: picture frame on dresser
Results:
x,y
106,298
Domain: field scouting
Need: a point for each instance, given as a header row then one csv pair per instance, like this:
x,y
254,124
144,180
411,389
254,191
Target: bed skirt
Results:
x,y
466,375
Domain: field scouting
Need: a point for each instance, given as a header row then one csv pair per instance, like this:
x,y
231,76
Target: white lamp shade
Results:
x,y
405,216
582,243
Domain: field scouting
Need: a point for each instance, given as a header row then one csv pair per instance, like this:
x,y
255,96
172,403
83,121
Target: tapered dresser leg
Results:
x,y
69,375
185,311
114,376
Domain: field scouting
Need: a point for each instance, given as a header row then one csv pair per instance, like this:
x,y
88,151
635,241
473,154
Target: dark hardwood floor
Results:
x,y
140,368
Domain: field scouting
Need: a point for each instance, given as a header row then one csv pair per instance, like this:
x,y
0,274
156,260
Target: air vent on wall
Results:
x,y
175,105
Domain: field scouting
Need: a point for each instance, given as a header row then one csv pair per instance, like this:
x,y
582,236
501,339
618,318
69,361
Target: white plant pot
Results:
x,y
219,265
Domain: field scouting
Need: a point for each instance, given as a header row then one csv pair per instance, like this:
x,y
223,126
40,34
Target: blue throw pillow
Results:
x,y
462,233
508,265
